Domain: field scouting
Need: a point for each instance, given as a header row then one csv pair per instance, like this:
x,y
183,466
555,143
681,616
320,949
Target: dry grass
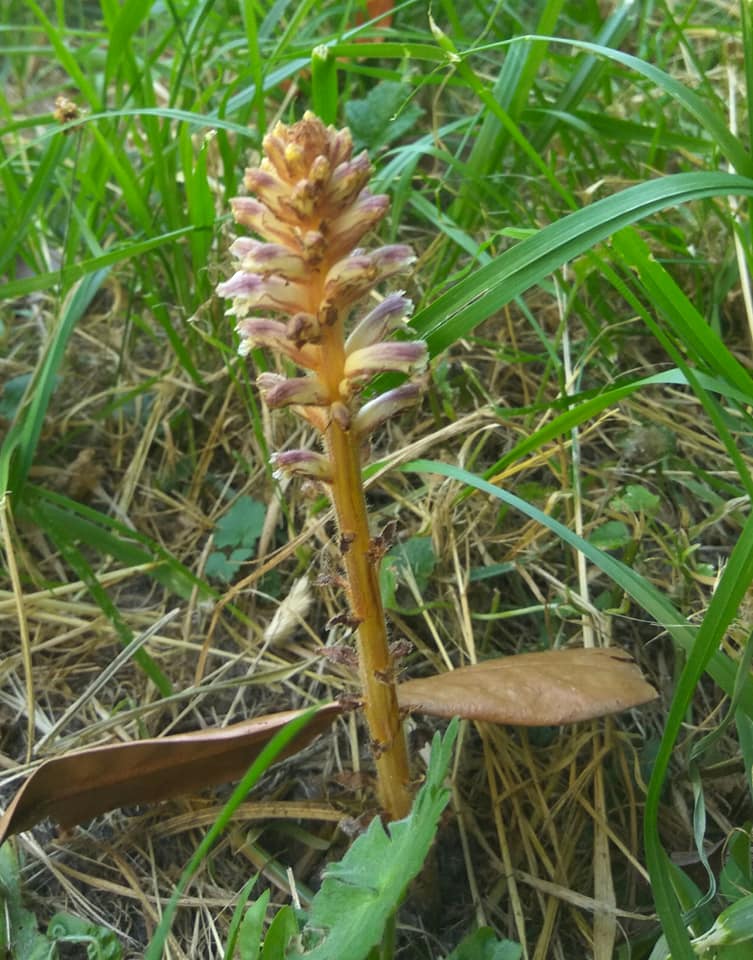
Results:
x,y
544,842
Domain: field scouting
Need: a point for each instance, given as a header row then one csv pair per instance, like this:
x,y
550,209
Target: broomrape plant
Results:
x,y
312,207
307,292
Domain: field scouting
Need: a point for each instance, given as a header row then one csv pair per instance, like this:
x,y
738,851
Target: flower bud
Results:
x,y
251,291
259,332
266,258
281,391
377,411
268,190
254,215
379,322
301,463
407,357
348,179
352,277
356,221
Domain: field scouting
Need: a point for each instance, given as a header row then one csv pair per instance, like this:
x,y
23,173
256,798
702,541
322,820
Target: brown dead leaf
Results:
x,y
78,786
534,689
530,689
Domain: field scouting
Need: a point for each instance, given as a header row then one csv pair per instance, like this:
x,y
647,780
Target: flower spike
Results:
x,y
310,207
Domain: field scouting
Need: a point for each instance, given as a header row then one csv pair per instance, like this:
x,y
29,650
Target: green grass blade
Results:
x,y
511,91
746,19
268,755
131,16
454,314
702,655
110,537
586,407
690,327
238,917
73,272
20,444
733,584
503,122
61,537
256,59
707,116
65,58
587,74
645,594
35,194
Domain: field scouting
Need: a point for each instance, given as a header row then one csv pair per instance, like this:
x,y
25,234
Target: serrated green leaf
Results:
x,y
242,525
221,567
13,393
416,555
361,892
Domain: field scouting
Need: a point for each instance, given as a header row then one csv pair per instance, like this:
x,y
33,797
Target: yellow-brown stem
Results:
x,y
375,662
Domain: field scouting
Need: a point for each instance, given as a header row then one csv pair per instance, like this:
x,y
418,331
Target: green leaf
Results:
x,y
415,555
719,666
733,925
325,99
360,894
20,443
13,393
610,535
222,567
276,745
489,288
101,942
249,935
19,934
636,499
383,116
242,525
483,944
281,931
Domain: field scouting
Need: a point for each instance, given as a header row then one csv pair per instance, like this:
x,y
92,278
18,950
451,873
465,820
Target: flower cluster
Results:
x,y
296,288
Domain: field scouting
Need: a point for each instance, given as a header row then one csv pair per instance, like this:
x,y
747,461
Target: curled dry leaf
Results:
x,y
534,689
78,786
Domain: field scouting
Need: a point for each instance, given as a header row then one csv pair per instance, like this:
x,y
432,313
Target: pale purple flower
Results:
x,y
279,391
377,411
356,221
251,291
267,258
348,179
352,277
301,463
260,332
254,215
379,322
408,356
